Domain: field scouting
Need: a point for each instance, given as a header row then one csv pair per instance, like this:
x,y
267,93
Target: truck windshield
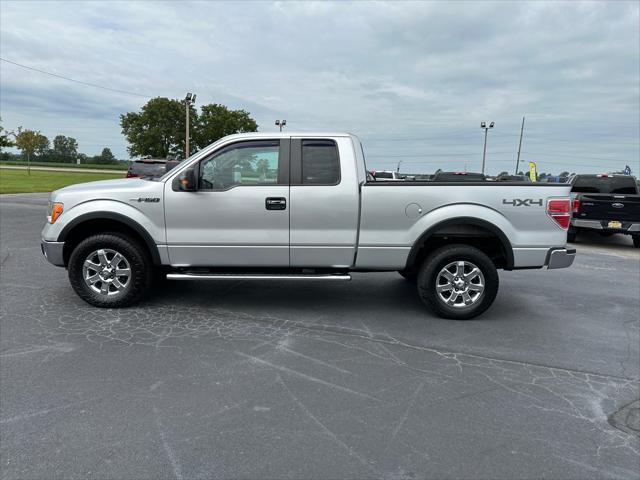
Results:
x,y
616,185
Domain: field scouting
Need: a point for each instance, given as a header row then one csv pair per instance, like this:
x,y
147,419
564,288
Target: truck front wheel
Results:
x,y
109,270
458,282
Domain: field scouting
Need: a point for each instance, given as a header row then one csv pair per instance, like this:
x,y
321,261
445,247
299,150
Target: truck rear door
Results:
x,y
324,199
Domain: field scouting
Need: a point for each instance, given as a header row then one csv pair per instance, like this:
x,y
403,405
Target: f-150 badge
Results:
x,y
145,199
526,202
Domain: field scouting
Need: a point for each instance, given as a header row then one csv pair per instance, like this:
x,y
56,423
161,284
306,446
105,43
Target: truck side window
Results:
x,y
320,162
245,163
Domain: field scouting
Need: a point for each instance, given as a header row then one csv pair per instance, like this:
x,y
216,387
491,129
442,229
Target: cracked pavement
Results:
x,y
289,380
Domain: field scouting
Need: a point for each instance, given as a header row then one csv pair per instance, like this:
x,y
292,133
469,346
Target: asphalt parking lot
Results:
x,y
289,380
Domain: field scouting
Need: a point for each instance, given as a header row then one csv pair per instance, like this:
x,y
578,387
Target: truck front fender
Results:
x,y
151,233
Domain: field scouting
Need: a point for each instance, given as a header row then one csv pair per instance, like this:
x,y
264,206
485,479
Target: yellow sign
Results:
x,y
532,172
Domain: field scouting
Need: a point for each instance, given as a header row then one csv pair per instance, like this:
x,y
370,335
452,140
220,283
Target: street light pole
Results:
x,y
188,101
519,146
281,124
486,130
398,166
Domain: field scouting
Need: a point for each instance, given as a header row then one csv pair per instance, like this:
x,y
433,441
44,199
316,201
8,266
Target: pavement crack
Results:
x,y
304,376
326,429
168,450
405,415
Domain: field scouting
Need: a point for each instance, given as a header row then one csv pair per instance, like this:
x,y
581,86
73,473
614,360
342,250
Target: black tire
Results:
x,y
137,258
572,233
409,275
434,264
636,240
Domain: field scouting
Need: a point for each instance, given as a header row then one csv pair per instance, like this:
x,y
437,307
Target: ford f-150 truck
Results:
x,y
607,204
260,206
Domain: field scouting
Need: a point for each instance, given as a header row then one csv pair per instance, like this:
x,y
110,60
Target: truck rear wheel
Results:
x,y
636,240
571,235
458,282
109,270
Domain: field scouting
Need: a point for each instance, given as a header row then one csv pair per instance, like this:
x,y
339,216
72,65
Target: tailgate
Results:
x,y
601,206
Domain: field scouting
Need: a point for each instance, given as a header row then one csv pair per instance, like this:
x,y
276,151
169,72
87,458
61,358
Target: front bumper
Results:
x,y
53,251
560,258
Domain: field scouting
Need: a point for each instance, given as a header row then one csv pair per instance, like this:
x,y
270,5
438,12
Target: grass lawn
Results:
x,y
17,181
99,166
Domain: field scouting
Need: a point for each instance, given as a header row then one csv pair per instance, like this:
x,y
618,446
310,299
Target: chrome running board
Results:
x,y
253,276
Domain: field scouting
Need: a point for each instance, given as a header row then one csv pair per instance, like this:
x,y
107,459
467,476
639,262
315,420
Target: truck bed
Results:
x,y
517,209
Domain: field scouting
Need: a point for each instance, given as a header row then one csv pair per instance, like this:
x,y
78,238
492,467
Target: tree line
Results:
x,y
156,131
36,147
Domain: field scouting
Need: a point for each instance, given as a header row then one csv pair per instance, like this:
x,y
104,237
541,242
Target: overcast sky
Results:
x,y
412,79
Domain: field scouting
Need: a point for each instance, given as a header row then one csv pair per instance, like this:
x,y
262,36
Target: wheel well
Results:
x,y
475,233
86,228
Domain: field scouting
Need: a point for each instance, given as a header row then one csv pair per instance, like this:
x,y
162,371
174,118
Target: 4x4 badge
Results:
x,y
517,202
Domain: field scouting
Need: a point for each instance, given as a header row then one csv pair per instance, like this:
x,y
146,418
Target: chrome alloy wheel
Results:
x,y
106,271
460,284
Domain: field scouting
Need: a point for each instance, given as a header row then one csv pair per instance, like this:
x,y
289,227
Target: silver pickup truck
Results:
x,y
302,207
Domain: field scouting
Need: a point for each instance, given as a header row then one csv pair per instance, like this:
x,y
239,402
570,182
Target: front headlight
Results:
x,y
54,211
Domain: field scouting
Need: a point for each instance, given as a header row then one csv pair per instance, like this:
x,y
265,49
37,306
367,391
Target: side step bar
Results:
x,y
252,276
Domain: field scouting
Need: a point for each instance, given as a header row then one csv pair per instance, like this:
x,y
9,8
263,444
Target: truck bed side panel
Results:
x,y
394,216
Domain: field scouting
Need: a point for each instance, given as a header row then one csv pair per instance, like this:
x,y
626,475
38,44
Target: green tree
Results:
x,y
216,121
29,142
65,149
502,173
5,141
106,156
262,168
158,130
564,174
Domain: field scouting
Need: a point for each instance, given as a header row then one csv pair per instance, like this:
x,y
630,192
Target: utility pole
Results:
x,y
519,146
188,101
486,129
281,124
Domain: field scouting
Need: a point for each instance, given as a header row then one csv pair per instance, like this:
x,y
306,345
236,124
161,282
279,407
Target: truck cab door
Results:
x,y
239,214
325,202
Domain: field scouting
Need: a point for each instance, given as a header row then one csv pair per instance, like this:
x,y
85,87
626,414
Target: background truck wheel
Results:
x,y
636,240
458,282
109,270
571,235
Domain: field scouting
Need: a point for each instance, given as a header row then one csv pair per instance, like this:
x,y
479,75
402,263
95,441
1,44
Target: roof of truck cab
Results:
x,y
289,134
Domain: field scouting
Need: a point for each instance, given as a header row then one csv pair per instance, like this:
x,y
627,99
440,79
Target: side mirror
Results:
x,y
187,180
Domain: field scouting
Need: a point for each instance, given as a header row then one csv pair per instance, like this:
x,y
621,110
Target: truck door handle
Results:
x,y
275,203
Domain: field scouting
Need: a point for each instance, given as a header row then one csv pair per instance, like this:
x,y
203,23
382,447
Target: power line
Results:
x,y
74,80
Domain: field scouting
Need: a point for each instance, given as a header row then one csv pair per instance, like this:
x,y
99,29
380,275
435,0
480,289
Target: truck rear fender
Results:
x,y
469,224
